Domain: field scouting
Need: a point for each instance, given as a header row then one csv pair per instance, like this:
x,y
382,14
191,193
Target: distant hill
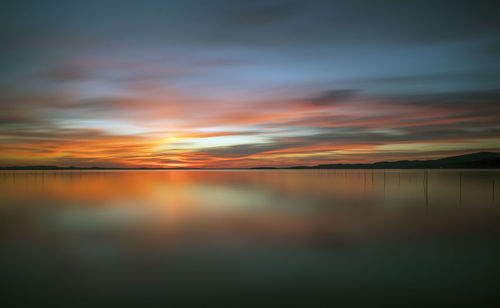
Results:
x,y
474,160
485,160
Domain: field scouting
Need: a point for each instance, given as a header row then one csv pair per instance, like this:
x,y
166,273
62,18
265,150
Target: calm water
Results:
x,y
254,237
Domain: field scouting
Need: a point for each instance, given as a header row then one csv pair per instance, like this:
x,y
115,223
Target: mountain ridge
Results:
x,y
472,160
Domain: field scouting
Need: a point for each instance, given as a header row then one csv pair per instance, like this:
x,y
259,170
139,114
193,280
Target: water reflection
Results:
x,y
289,236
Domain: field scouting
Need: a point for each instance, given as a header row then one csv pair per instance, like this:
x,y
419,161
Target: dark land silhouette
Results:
x,y
485,160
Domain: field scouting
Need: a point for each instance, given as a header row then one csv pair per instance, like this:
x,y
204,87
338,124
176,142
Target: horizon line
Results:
x,y
374,165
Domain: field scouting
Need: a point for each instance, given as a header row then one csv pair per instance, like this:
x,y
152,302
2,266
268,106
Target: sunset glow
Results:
x,y
179,84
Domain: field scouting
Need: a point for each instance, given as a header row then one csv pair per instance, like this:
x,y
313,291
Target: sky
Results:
x,y
246,83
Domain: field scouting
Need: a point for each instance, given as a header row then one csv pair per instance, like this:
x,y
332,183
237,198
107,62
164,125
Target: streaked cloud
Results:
x,y
226,84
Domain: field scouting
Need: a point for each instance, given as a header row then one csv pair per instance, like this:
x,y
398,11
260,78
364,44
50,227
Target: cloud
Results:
x,y
16,119
333,97
483,76
487,101
245,150
68,74
301,80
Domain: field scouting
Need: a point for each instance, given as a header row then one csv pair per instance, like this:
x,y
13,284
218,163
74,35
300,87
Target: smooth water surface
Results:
x,y
250,237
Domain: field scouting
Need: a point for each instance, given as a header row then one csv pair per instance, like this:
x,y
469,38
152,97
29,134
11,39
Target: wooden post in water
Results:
x,y
384,184
426,189
364,180
493,192
460,189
